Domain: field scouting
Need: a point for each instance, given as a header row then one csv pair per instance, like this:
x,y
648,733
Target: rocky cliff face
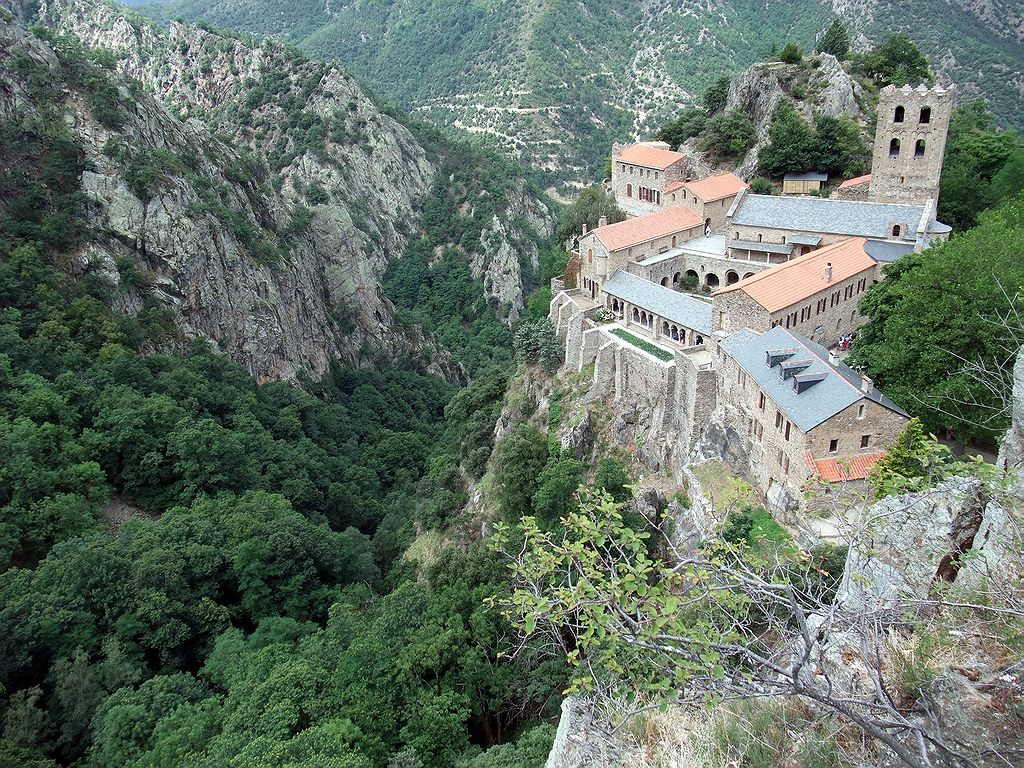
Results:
x,y
262,195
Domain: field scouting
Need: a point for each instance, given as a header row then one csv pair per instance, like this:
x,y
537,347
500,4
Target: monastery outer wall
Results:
x,y
781,236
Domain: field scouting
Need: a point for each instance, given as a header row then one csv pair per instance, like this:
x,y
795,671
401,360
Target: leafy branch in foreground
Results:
x,y
721,624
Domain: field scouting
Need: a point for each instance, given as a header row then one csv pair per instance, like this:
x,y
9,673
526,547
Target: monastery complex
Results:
x,y
713,305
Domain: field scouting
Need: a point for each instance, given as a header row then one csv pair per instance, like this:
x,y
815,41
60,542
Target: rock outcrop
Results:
x,y
818,86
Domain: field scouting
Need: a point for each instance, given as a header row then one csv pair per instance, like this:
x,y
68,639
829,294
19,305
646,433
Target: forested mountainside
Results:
x,y
199,564
558,81
227,174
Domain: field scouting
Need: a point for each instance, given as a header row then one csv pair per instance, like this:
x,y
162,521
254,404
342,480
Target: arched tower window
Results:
x,y
899,114
894,147
926,114
673,241
896,229
919,148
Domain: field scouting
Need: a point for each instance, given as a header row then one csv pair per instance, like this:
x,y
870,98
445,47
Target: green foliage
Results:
x,y
728,135
835,40
691,122
759,185
588,208
982,167
917,461
756,528
646,346
895,61
535,342
716,94
612,477
520,459
556,489
941,309
833,145
791,54
442,296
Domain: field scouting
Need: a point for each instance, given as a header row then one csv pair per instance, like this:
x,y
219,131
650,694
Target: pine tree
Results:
x,y
835,40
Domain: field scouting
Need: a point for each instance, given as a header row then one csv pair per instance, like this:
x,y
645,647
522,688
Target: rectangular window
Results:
x,y
833,445
779,457
860,411
865,440
760,431
760,401
778,419
787,429
785,464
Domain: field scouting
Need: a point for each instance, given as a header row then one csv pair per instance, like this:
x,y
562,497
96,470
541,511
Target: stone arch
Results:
x,y
919,149
675,279
673,241
636,315
749,274
894,148
665,328
896,230
711,280
643,318
899,114
664,282
707,226
731,277
926,115
675,333
699,340
691,274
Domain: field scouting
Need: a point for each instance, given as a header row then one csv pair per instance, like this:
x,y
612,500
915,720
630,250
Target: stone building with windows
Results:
x,y
910,142
640,174
815,295
626,244
801,414
709,198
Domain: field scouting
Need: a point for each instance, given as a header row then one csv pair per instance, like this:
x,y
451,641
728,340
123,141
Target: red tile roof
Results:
x,y
801,278
856,181
630,232
673,186
845,467
649,157
716,187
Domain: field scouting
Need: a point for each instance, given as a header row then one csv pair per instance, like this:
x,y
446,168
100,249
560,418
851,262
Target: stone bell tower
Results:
x,y
910,140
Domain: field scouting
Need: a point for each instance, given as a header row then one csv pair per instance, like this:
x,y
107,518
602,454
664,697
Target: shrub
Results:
x,y
716,95
613,478
729,135
759,185
791,54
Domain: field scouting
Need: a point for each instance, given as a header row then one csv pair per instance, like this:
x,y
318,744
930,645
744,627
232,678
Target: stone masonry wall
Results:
x,y
879,423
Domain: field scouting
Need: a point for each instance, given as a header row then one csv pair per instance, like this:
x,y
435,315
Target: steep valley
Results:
x,y
555,82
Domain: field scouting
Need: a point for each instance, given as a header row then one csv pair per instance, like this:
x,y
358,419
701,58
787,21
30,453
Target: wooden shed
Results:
x,y
803,183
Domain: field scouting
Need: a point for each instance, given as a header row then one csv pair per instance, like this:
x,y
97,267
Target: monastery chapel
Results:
x,y
745,297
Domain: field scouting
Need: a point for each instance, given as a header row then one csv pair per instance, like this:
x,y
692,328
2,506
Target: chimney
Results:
x,y
584,228
866,384
828,272
603,221
833,358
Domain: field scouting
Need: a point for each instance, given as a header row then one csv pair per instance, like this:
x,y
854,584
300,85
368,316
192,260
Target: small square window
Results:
x,y
833,445
865,440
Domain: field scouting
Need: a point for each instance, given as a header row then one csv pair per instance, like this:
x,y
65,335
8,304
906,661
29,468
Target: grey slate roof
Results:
x,y
750,245
806,176
887,251
805,239
822,214
673,306
837,387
